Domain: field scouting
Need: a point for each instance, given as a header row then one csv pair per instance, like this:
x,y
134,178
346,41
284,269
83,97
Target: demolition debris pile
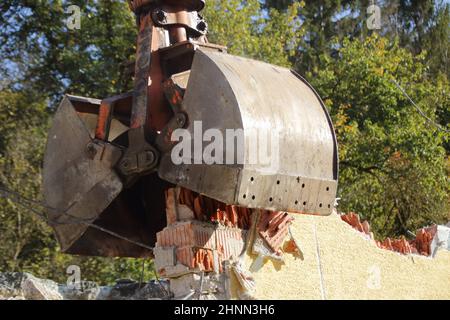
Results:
x,y
268,255
23,286
427,240
211,250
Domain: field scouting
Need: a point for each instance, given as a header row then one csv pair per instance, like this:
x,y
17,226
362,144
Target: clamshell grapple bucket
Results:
x,y
233,129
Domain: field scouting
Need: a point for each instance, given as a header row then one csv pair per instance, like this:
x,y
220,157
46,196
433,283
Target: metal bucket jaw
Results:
x,y
284,153
82,189
79,181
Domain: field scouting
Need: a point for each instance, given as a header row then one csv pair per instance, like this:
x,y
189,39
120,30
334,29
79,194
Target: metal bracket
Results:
x,y
195,5
140,158
163,141
188,19
174,89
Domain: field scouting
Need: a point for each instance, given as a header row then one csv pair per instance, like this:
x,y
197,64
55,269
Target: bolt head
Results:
x,y
181,119
150,156
202,26
91,150
161,16
125,164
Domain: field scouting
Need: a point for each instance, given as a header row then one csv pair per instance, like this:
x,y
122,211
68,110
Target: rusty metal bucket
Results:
x,y
234,94
258,105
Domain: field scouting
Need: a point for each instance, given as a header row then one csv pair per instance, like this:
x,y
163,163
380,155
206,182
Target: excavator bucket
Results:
x,y
85,194
287,145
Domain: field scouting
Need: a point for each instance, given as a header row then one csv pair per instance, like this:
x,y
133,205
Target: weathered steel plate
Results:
x,y
227,92
78,184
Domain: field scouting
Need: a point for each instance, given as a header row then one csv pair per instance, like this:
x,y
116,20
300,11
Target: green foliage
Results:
x,y
90,61
22,146
419,25
250,31
47,58
393,163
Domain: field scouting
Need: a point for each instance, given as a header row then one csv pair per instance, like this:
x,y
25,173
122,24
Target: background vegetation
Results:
x,y
394,164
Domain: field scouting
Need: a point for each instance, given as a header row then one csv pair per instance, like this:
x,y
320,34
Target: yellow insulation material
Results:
x,y
342,264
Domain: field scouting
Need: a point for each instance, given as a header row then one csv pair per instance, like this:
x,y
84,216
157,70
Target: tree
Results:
x,y
26,241
419,25
322,21
22,141
250,31
90,61
438,43
393,163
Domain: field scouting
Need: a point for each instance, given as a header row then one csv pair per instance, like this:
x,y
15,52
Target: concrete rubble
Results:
x,y
332,260
200,236
198,254
24,286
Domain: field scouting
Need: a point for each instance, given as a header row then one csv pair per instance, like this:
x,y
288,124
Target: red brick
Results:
x,y
171,215
273,227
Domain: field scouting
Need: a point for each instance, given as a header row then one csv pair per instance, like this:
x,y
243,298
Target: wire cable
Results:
x,y
25,203
418,108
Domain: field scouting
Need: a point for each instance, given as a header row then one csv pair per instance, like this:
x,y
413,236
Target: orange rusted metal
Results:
x,y
103,122
159,111
173,93
172,58
137,5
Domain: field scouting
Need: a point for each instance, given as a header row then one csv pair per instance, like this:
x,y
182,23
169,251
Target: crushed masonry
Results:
x,y
207,209
354,220
262,249
199,286
203,234
425,243
246,281
201,248
195,239
197,245
291,246
350,266
273,227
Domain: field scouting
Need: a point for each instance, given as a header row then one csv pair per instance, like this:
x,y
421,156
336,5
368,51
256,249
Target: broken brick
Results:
x,y
205,209
273,227
201,245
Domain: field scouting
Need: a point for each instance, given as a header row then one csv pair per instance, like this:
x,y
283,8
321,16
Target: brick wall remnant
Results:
x,y
424,244
199,239
207,209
